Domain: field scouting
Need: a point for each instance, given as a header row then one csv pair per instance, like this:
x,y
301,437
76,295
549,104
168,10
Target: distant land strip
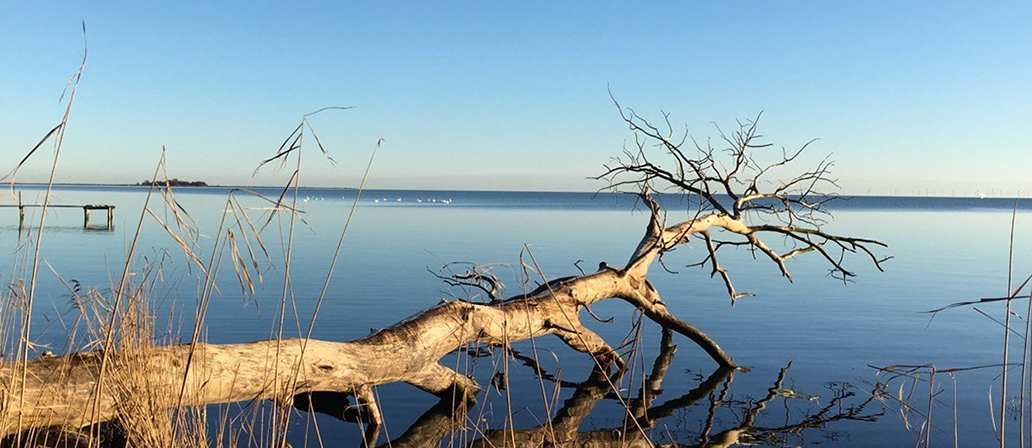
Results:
x,y
172,182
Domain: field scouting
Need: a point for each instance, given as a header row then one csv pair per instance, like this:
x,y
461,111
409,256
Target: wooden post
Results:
x,y
110,217
21,212
85,216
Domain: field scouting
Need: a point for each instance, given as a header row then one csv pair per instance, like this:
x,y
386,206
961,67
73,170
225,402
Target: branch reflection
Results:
x,y
450,423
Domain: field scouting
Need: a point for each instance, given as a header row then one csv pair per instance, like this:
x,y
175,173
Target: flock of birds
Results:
x,y
418,200
430,200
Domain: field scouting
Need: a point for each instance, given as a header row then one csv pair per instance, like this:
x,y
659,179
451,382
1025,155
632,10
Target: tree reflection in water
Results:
x,y
451,424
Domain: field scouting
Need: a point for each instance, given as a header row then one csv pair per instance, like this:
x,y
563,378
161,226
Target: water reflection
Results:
x,y
60,228
801,418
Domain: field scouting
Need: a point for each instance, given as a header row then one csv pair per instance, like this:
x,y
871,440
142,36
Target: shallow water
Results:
x,y
945,250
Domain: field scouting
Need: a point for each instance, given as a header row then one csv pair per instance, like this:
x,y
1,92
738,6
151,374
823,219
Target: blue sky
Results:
x,y
908,97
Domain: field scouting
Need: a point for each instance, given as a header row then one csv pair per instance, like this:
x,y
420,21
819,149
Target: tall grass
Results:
x,y
119,324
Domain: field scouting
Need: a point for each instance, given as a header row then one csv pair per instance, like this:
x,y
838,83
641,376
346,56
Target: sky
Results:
x,y
907,97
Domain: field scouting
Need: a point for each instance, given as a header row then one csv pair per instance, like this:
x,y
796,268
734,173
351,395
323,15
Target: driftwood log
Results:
x,y
61,391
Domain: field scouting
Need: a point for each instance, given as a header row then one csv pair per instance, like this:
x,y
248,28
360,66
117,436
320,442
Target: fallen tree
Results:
x,y
736,201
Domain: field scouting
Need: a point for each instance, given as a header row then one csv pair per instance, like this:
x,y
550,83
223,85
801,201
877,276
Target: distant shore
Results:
x,y
174,183
192,184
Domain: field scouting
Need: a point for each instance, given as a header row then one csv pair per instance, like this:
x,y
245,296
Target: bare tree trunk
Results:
x,y
59,391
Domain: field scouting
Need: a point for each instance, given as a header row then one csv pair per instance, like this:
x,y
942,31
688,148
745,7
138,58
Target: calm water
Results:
x,y
945,250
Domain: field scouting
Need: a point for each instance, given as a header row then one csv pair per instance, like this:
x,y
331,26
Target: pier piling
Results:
x,y
110,209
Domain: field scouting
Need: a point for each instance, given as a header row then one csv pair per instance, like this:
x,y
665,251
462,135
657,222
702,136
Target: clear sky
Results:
x,y
908,96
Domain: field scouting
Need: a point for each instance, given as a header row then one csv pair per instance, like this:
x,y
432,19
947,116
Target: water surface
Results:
x,y
945,250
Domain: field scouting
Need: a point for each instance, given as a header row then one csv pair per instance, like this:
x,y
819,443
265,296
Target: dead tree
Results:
x,y
740,200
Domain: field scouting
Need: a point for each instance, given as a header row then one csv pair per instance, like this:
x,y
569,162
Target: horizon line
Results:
x,y
842,195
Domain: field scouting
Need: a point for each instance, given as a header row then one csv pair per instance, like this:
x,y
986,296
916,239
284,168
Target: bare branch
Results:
x,y
738,197
717,269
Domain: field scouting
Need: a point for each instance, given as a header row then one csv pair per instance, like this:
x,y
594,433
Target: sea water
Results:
x,y
831,333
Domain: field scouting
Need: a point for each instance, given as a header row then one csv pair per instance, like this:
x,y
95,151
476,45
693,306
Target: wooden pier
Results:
x,y
85,212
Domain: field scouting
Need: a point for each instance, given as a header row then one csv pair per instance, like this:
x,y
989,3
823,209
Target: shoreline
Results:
x,y
307,187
